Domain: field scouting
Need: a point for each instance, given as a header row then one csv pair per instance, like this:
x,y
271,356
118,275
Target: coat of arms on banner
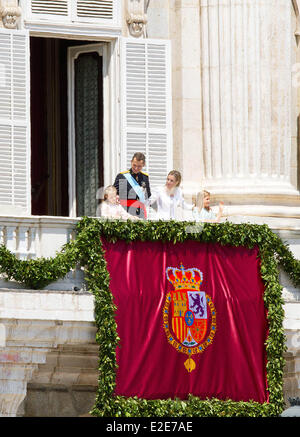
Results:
x,y
189,314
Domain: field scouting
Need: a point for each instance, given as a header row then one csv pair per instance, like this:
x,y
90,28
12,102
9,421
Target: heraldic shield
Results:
x,y
189,313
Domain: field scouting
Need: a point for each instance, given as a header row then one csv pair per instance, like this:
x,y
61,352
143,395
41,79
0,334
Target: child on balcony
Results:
x,y
111,208
203,211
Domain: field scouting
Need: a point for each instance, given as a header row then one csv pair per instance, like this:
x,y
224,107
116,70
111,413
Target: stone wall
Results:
x,y
49,361
64,386
47,341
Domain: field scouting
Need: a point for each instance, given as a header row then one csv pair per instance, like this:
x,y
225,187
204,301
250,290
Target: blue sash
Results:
x,y
137,188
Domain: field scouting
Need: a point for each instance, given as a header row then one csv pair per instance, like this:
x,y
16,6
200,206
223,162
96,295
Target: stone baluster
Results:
x,y
31,243
11,240
22,243
2,235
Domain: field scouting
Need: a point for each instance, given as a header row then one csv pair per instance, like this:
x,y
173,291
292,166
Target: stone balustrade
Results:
x,y
35,236
40,236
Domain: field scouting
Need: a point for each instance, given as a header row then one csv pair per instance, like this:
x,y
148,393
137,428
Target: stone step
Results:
x,y
46,305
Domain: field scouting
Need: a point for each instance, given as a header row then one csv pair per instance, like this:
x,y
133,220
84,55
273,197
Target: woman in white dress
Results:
x,y
169,197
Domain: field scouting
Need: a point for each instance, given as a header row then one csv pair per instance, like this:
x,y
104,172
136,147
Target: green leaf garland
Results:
x,y
86,250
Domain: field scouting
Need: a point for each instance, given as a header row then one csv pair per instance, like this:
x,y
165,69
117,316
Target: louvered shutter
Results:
x,y
14,122
106,12
146,105
90,10
51,10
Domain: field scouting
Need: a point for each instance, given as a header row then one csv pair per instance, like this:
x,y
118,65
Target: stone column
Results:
x,y
184,21
246,96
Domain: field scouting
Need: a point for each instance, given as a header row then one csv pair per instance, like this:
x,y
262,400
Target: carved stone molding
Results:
x,y
136,17
136,24
10,13
295,4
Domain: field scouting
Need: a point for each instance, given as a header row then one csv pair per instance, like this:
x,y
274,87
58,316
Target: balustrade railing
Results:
x,y
19,240
35,237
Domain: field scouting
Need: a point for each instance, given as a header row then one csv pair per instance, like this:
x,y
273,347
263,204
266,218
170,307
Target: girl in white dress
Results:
x,y
203,211
111,208
169,197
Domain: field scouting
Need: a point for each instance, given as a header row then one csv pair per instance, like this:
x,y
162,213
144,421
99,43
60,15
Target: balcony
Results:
x,y
40,236
47,337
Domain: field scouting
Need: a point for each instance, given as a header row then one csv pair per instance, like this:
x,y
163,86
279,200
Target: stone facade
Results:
x,y
235,88
48,353
66,385
49,357
235,105
235,118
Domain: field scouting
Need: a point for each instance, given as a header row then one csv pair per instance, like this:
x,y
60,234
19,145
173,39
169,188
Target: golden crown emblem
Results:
x,y
184,279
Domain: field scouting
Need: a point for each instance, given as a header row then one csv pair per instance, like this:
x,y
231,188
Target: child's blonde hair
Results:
x,y
109,189
200,196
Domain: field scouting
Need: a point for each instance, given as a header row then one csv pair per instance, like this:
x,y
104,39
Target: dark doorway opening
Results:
x,y
50,160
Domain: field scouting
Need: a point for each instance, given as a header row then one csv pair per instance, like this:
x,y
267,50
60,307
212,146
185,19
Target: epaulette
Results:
x,y
126,171
146,174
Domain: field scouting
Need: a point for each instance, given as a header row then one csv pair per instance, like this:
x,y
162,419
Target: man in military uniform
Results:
x,y
133,187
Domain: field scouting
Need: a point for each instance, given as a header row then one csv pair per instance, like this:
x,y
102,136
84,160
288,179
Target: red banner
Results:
x,y
191,320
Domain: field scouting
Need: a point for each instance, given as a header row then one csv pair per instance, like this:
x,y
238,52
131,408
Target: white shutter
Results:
x,y
14,122
146,105
46,9
99,9
99,12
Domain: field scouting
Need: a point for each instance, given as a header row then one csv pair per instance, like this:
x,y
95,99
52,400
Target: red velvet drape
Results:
x,y
232,365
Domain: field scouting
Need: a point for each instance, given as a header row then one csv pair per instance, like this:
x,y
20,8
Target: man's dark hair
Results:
x,y
139,157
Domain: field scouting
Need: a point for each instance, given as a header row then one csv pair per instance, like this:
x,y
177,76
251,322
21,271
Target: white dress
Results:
x,y
203,215
114,211
167,205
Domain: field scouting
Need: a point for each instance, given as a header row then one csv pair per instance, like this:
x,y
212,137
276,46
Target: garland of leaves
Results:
x,y
87,251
